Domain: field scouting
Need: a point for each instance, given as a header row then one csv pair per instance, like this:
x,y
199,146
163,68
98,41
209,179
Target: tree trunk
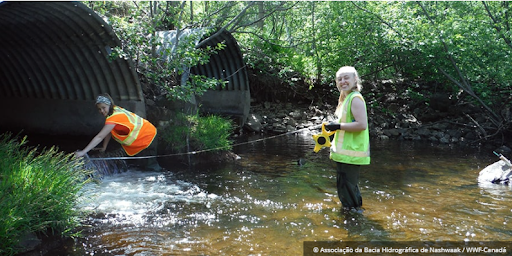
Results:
x,y
261,14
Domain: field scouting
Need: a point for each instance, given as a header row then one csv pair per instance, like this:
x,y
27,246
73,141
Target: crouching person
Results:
x,y
136,135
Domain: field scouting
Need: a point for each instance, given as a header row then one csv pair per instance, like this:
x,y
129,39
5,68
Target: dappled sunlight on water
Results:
x,y
266,203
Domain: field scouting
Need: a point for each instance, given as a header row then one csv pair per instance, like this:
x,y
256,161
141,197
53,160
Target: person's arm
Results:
x,y
105,143
359,112
97,139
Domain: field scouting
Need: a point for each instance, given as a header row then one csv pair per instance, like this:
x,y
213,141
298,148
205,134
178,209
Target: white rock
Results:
x,y
498,173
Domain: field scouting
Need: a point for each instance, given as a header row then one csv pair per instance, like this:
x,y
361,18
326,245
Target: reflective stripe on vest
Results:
x,y
136,126
339,150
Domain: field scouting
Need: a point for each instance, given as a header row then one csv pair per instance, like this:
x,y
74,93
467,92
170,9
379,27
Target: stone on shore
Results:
x,y
496,173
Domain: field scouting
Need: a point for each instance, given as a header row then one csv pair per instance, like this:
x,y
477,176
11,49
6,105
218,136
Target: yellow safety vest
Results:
x,y
351,147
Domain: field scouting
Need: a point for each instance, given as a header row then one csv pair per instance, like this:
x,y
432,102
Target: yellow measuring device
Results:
x,y
322,140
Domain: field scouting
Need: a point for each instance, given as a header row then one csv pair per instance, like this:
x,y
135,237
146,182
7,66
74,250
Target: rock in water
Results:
x,y
497,173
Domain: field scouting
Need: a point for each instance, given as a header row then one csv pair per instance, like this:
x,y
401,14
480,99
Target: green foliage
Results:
x,y
202,132
177,134
457,46
180,60
197,85
136,25
212,132
469,41
417,97
39,191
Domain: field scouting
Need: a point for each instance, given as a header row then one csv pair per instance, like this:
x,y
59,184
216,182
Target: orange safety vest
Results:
x,y
141,131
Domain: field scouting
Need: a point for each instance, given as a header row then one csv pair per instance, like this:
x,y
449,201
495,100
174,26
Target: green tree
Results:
x,y
137,25
460,48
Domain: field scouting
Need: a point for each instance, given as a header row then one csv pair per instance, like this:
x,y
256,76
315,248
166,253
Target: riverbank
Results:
x,y
391,116
275,118
397,110
39,191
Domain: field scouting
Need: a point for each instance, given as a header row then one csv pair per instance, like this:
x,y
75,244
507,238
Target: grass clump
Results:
x,y
196,133
38,192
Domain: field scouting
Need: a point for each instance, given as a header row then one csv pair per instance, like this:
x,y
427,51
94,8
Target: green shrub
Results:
x,y
212,132
38,191
195,132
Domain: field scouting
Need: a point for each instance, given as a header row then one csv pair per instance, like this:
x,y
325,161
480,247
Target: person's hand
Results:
x,y
80,153
332,126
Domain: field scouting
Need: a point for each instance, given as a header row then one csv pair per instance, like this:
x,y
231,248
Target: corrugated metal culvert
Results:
x,y
59,50
231,98
227,65
54,62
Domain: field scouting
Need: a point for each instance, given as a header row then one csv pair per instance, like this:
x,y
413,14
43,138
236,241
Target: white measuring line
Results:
x,y
199,151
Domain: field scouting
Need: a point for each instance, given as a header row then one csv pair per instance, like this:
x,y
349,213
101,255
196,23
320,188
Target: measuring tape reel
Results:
x,y
322,139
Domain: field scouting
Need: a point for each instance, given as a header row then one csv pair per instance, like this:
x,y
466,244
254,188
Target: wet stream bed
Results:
x,y
265,203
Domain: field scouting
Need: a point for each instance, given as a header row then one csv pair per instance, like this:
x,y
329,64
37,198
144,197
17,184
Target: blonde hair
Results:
x,y
343,94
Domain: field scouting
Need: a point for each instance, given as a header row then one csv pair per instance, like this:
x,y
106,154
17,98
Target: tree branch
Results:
x,y
379,18
277,9
234,21
495,25
464,85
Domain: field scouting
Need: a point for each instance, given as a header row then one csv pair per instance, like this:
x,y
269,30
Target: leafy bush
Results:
x,y
212,132
39,191
202,132
137,30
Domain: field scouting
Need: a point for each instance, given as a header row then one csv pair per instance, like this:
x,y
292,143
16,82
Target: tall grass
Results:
x,y
213,132
203,132
38,191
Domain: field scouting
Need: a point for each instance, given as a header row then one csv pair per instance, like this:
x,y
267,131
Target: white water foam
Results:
x,y
133,196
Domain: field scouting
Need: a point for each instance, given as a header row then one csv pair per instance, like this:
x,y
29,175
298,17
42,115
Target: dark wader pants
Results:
x,y
347,180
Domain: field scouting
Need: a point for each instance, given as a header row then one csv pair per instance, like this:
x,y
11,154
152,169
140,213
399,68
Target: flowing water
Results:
x,y
265,203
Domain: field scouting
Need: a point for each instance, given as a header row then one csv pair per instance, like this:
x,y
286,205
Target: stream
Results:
x,y
265,203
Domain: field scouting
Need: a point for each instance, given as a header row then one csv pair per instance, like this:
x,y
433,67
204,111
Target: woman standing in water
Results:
x,y
351,144
133,132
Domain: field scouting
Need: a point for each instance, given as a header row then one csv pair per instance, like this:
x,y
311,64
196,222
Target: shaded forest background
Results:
x,y
432,60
